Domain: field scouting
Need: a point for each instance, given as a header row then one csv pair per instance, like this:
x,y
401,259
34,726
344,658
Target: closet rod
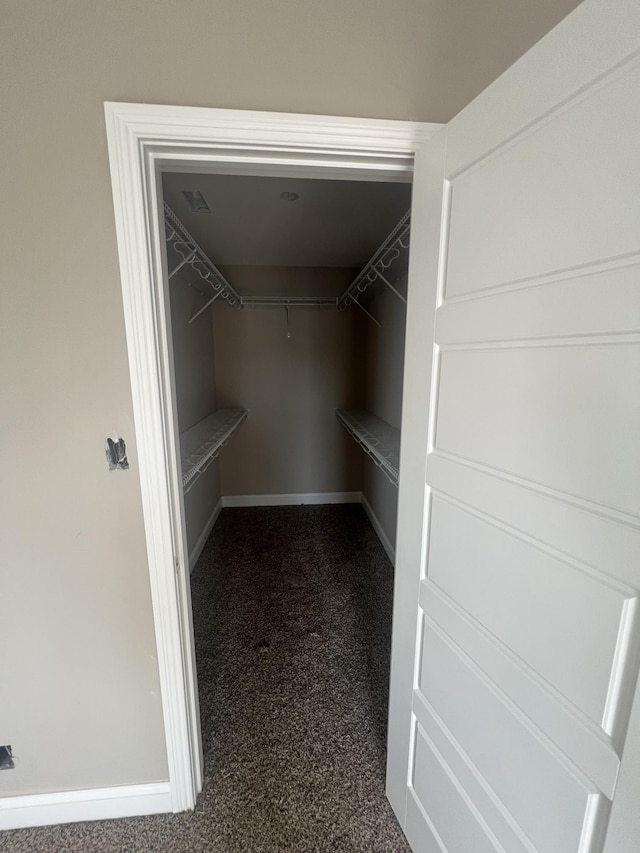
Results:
x,y
183,243
289,302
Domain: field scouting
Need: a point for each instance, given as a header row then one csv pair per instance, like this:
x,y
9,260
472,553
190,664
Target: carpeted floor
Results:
x,y
292,615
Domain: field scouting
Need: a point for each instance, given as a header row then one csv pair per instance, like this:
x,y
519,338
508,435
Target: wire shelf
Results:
x,y
192,255
202,443
376,437
389,251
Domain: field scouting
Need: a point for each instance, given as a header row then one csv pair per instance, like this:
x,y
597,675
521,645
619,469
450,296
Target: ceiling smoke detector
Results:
x,y
287,196
196,201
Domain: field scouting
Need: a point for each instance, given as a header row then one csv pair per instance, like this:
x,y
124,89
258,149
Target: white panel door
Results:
x,y
516,624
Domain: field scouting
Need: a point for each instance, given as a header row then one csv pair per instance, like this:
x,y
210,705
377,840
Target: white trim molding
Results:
x,y
195,552
144,140
293,500
94,804
377,526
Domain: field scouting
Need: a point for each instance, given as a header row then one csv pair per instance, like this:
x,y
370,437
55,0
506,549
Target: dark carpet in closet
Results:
x,y
292,617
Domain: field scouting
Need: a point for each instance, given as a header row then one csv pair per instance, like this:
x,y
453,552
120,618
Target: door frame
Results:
x,y
143,141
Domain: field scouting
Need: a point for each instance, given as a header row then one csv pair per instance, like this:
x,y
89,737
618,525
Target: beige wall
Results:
x,y
384,375
79,692
194,371
291,443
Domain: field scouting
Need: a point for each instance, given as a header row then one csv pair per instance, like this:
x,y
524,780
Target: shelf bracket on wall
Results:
x,y
370,316
182,242
205,306
186,260
389,251
390,286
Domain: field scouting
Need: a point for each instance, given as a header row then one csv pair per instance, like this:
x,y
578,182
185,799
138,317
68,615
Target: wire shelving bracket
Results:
x,y
388,252
183,243
379,440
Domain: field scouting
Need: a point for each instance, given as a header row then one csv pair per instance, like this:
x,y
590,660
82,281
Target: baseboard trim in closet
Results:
x,y
382,536
293,500
197,548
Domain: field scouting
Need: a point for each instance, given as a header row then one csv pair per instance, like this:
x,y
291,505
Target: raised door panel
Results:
x,y
580,153
494,575
495,408
542,793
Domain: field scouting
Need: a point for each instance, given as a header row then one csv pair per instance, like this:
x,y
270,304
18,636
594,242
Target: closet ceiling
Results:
x,y
331,224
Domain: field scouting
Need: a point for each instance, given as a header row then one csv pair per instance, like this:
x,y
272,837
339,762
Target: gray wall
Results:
x,y
194,370
384,373
291,443
76,633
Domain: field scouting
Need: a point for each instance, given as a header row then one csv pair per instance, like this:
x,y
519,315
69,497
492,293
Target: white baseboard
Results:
x,y
292,500
94,804
382,536
197,548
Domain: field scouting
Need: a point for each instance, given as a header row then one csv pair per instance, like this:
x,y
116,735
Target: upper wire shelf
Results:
x,y
388,252
191,254
202,443
377,438
183,243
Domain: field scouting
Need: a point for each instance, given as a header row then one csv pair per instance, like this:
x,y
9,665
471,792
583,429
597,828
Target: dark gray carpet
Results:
x,y
292,616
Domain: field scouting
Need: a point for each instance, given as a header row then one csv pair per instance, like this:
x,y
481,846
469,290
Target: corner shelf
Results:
x,y
202,443
377,438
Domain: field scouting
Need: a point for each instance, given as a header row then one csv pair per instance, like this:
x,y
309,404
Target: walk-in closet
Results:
x,y
288,311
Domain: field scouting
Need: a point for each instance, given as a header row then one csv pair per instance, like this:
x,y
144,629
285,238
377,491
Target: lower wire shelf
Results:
x,y
376,437
202,443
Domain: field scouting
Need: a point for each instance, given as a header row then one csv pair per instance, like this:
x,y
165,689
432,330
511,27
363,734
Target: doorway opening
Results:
x,y
288,311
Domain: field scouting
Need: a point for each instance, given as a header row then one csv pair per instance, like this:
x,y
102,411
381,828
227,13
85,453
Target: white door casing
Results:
x,y
514,670
145,140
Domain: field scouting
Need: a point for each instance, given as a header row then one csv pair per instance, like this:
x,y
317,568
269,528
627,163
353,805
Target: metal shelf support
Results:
x,y
390,250
183,243
370,316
